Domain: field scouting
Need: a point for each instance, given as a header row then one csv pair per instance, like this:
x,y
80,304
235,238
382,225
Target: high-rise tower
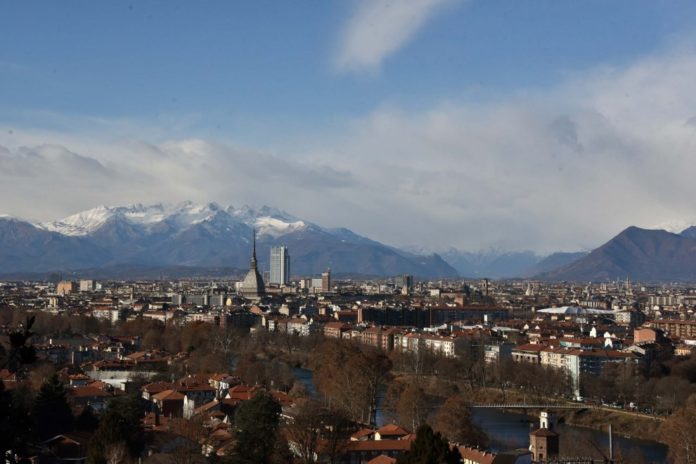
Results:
x,y
280,265
326,281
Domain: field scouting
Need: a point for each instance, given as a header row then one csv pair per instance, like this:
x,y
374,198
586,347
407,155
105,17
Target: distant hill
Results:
x,y
553,262
24,247
689,232
130,272
492,264
191,238
637,254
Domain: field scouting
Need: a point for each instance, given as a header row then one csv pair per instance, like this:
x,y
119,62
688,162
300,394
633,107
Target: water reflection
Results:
x,y
510,431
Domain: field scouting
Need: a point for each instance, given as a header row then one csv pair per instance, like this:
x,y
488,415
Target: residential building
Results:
x,y
498,352
87,285
678,328
66,287
326,281
529,352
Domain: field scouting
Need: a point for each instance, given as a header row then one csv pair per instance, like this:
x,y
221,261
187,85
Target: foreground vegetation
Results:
x,y
417,389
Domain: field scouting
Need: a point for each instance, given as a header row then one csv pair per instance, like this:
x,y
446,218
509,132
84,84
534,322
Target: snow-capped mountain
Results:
x,y
191,234
266,220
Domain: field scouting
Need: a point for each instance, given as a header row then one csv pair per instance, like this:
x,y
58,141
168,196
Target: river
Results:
x,y
508,430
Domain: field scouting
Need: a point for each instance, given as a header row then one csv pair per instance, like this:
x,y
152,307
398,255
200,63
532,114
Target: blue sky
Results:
x,y
236,66
329,85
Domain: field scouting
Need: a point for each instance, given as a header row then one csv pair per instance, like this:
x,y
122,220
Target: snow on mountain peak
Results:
x,y
674,226
81,223
268,221
267,225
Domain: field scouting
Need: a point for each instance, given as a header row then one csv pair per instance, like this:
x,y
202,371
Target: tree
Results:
x,y
281,453
19,352
470,360
51,411
454,422
337,428
86,420
304,432
256,424
412,406
351,377
119,427
116,453
318,433
429,448
298,390
15,425
677,431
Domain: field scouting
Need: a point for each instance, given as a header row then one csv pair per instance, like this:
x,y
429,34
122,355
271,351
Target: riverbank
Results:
x,y
624,423
508,430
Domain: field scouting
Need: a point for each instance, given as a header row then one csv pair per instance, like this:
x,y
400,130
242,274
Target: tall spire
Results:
x,y
252,285
253,253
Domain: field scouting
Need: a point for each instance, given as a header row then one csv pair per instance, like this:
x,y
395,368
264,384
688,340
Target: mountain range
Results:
x,y
497,264
209,239
198,235
638,254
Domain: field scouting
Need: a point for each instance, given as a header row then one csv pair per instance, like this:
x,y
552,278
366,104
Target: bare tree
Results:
x,y
116,453
678,432
304,431
454,421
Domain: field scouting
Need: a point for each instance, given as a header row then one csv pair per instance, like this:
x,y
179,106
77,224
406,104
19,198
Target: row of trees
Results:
x,y
350,377
660,385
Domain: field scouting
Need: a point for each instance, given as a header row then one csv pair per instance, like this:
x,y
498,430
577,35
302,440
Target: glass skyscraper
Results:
x,y
280,265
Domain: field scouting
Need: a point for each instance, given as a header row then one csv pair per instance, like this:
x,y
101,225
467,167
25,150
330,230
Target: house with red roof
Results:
x,y
169,403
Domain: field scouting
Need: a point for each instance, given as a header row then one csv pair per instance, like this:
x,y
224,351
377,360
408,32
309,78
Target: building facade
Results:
x,y
280,265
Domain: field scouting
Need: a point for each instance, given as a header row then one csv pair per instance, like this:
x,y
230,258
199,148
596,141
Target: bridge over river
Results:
x,y
530,406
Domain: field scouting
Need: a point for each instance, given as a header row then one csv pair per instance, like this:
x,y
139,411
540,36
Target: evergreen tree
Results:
x,y
256,424
429,448
119,431
20,353
87,420
51,411
15,425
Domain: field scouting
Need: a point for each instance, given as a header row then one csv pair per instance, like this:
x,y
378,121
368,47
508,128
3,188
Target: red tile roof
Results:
x,y
169,395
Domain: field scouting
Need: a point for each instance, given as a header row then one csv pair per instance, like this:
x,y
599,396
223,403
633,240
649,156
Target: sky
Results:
x,y
539,125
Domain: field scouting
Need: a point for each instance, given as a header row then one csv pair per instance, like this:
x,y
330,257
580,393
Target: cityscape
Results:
x,y
580,372
348,232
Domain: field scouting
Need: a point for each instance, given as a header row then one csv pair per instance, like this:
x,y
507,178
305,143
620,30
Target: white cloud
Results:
x,y
560,168
379,28
47,182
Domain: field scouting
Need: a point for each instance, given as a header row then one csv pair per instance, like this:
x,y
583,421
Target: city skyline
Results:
x,y
348,232
472,124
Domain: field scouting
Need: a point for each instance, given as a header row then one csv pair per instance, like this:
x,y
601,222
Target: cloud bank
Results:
x,y
557,169
379,28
